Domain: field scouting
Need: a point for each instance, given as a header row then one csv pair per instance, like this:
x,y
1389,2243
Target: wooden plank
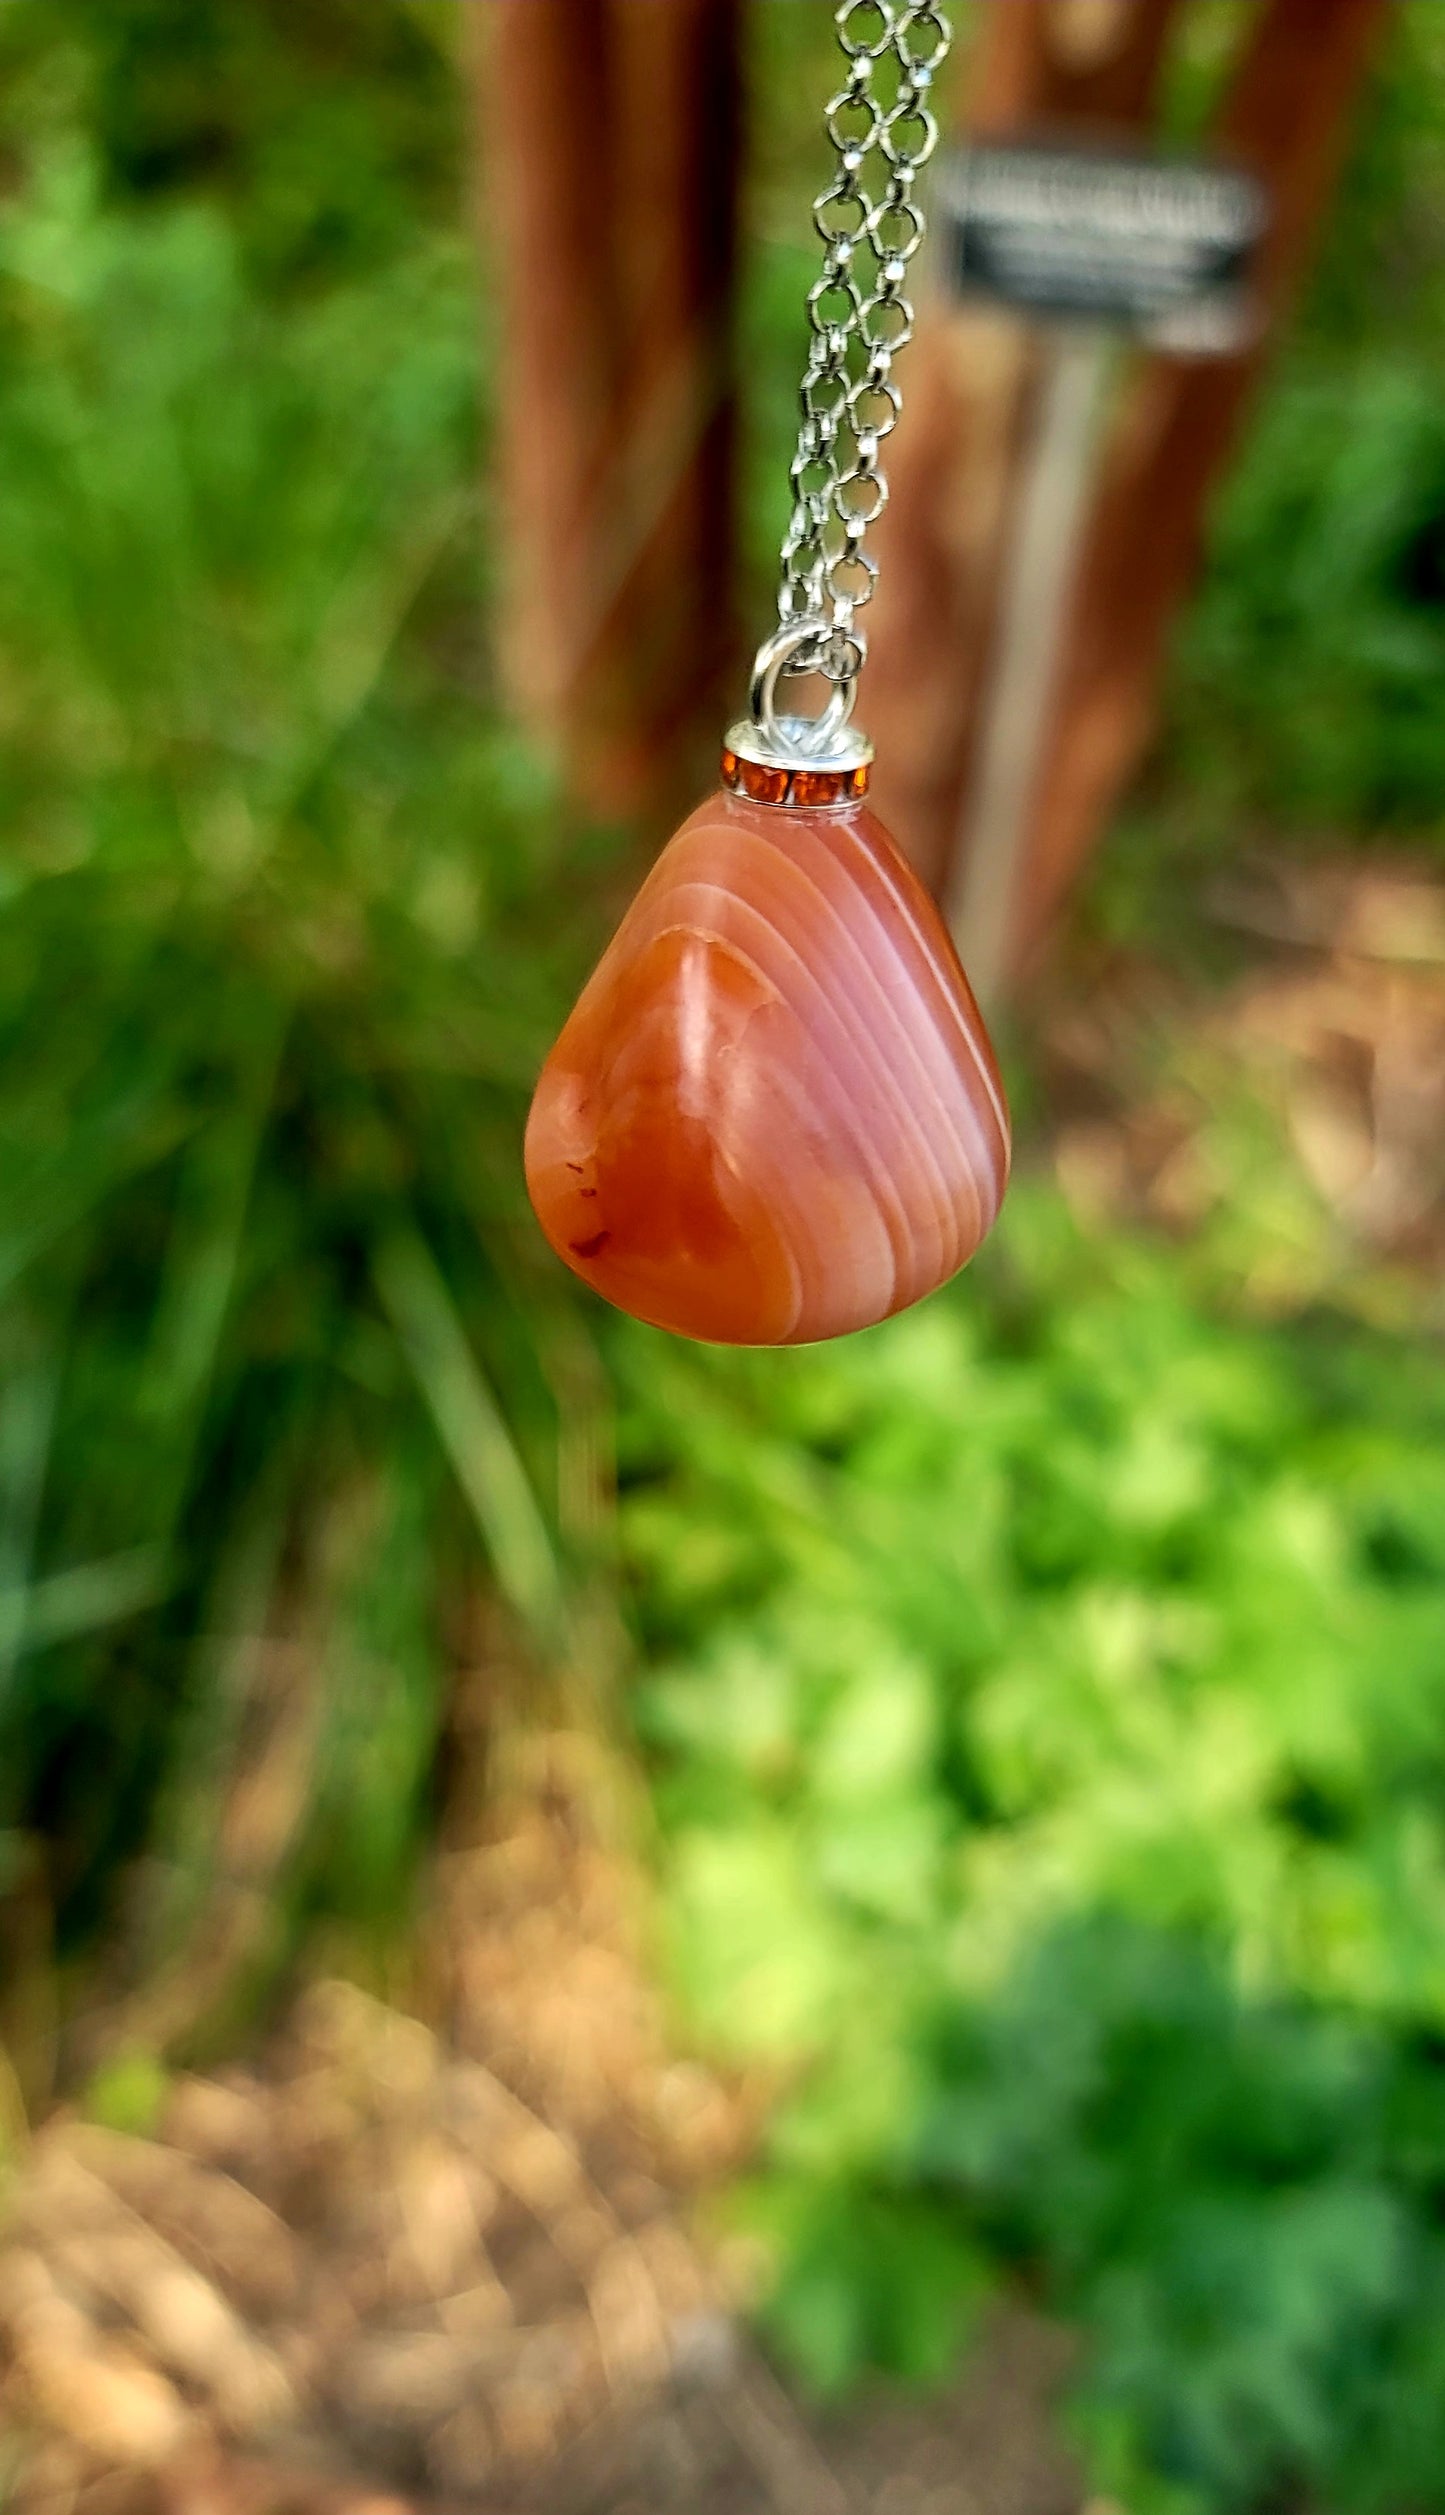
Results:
x,y
540,67
609,133
672,537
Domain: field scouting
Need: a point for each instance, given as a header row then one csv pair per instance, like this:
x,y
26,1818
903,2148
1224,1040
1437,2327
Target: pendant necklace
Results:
x,y
774,1114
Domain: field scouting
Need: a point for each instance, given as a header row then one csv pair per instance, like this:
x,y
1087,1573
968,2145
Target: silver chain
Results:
x,y
859,317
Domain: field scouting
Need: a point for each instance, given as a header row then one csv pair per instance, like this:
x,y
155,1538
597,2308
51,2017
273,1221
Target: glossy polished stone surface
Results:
x,y
774,1114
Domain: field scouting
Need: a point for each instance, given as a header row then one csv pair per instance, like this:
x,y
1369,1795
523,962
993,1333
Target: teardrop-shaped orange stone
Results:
x,y
774,1114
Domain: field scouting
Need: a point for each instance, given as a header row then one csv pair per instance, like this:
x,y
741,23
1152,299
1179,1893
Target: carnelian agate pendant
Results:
x,y
774,1114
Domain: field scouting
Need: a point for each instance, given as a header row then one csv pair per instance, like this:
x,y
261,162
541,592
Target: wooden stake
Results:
x,y
981,901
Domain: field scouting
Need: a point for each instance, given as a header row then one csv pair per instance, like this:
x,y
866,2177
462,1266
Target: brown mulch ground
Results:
x,y
389,2268
1305,1095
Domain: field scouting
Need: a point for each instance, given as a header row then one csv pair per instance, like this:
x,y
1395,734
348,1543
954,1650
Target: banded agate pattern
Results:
x,y
774,1114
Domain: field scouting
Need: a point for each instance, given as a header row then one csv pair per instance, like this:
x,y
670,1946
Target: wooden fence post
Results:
x,y
973,390
971,384
610,139
1286,116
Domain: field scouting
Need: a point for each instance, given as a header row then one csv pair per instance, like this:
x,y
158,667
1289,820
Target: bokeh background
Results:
x,y
578,1912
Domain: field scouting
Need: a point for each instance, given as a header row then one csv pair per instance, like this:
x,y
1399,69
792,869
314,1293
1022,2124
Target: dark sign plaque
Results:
x,y
1155,247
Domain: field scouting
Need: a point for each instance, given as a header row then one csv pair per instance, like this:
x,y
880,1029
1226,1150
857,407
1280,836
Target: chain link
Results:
x,y
859,318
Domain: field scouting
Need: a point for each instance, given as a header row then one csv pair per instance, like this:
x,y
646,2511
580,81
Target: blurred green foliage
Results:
x,y
1048,1719
1306,688
271,991
1044,1693
327,133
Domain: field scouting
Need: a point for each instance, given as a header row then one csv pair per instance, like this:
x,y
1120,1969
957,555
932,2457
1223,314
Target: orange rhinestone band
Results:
x,y
795,785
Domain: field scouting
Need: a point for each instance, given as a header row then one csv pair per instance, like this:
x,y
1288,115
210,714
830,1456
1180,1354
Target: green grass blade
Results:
x,y
27,1414
473,1431
66,1605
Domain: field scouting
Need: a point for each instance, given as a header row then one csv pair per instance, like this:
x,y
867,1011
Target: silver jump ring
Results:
x,y
776,656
